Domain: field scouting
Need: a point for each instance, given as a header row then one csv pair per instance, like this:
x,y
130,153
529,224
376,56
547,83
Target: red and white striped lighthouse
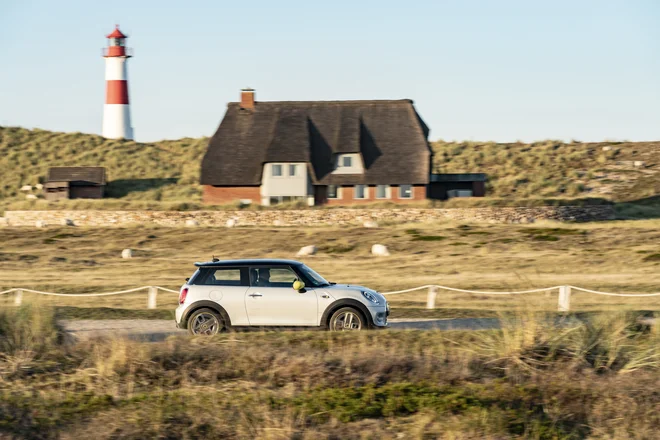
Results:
x,y
117,113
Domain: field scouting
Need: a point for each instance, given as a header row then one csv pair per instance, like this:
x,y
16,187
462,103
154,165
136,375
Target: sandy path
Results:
x,y
159,329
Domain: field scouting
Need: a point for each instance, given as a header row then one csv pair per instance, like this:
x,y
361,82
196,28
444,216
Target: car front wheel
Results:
x,y
347,319
205,322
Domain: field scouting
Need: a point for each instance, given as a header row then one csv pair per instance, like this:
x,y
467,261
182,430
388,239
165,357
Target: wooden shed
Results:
x,y
75,183
447,186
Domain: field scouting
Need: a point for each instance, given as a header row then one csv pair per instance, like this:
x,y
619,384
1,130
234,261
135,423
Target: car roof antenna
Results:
x,y
214,259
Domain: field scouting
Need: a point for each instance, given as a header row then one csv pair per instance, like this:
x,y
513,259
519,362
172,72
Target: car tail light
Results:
x,y
182,295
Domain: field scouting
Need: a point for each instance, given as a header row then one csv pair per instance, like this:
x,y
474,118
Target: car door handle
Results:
x,y
325,296
255,294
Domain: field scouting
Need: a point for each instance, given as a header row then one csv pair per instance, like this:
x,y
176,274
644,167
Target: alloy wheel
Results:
x,y
205,324
346,321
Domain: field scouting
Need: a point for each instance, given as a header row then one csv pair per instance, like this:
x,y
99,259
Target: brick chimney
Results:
x,y
247,99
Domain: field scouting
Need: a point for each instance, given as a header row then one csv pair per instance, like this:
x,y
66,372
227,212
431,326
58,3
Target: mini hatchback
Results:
x,y
222,295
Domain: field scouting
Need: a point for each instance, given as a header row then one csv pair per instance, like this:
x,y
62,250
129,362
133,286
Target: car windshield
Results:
x,y
316,279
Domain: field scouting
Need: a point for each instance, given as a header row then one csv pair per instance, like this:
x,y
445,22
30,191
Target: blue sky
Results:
x,y
500,70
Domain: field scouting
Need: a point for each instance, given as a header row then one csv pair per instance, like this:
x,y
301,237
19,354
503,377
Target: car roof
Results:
x,y
249,262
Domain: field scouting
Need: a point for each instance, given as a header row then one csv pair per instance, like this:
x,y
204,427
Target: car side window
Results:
x,y
272,276
223,276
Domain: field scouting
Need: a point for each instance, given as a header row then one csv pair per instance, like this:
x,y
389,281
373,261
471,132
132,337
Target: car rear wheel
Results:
x,y
347,319
206,322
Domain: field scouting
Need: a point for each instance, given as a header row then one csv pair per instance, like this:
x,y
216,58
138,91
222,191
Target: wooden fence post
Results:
x,y
564,299
18,297
430,300
151,298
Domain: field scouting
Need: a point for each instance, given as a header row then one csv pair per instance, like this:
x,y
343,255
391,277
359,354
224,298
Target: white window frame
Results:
x,y
366,192
338,193
412,192
388,192
272,170
293,166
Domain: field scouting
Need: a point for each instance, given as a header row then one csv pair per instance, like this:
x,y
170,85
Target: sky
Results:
x,y
500,70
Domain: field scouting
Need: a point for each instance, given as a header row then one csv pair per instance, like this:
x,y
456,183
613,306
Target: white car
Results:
x,y
222,295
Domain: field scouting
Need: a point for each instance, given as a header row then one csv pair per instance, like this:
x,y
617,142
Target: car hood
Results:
x,y
353,291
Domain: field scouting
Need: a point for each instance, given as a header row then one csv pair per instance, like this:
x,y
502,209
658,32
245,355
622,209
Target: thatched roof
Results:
x,y
92,175
390,135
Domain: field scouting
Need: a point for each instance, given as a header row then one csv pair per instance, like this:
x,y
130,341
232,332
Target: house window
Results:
x,y
293,170
347,161
277,170
382,191
405,191
360,191
333,192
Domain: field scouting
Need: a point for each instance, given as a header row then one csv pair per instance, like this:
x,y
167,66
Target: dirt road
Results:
x,y
158,329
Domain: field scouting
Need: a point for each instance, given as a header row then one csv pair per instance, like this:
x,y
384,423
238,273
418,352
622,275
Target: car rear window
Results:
x,y
222,276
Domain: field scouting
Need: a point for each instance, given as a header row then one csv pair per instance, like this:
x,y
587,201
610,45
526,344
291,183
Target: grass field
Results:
x,y
165,174
621,256
594,380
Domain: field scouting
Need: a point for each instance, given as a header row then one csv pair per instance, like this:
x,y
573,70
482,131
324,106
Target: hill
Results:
x,y
155,171
168,171
618,171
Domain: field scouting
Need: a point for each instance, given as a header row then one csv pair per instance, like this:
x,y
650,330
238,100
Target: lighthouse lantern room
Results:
x,y
116,114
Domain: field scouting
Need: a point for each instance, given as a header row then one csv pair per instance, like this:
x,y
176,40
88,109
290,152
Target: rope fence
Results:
x,y
563,304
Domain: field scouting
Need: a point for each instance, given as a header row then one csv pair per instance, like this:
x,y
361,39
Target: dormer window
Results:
x,y
348,163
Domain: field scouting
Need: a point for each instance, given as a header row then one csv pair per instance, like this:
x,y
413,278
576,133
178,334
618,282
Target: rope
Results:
x,y
615,294
89,294
453,289
470,291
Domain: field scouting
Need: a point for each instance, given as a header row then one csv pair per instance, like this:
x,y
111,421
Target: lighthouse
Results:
x,y
116,113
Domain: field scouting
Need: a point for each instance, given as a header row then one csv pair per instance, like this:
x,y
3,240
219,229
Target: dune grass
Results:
x,y
620,171
532,379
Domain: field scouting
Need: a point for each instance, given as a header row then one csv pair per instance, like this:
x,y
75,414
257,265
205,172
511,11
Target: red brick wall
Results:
x,y
348,194
219,195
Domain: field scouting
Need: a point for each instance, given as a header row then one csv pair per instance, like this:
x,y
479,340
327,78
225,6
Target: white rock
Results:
x,y
40,224
31,197
370,224
639,164
4,221
231,222
607,148
278,222
127,253
380,250
39,186
306,250
67,222
192,223
26,188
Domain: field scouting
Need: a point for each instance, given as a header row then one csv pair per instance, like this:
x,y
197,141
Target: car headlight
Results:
x,y
371,297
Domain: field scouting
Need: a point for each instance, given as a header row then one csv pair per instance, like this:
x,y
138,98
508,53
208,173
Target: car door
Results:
x,y
271,300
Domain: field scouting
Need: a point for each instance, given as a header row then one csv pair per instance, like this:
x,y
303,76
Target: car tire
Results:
x,y
206,322
347,319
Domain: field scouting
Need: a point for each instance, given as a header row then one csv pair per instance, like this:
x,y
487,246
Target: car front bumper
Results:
x,y
379,315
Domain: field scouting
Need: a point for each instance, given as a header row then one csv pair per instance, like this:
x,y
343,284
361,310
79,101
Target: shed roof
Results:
x,y
389,134
93,175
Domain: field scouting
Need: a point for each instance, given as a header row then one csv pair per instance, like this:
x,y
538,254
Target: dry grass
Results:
x,y
610,256
555,169
595,379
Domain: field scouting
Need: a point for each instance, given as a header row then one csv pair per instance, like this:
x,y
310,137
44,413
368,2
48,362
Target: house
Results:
x,y
320,152
75,183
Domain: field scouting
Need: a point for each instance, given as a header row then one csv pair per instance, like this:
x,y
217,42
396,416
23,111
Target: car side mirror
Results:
x,y
298,285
